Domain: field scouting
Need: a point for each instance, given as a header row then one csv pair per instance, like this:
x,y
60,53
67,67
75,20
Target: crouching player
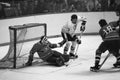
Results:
x,y
68,34
111,42
43,48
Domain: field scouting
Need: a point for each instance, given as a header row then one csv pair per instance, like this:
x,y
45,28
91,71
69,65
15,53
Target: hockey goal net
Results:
x,y
22,38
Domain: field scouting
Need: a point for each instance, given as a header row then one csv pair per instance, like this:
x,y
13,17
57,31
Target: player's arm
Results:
x,y
81,19
82,28
65,28
83,23
102,34
115,25
35,48
60,44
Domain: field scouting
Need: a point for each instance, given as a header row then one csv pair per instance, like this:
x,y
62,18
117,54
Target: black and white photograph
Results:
x,y
59,39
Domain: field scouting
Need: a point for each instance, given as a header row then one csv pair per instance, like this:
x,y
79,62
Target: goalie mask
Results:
x,y
43,39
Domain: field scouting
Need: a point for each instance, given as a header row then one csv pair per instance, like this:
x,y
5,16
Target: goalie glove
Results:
x,y
60,44
82,28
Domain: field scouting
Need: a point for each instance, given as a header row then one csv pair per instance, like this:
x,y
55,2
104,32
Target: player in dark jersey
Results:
x,y
118,14
45,52
111,42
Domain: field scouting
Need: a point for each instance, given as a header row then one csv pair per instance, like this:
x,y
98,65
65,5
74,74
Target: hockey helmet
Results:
x,y
43,38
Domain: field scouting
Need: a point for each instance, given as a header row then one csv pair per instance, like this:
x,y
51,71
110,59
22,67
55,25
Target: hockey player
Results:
x,y
118,14
111,42
43,48
68,33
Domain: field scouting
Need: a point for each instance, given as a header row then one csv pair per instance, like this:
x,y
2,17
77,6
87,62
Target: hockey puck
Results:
x,y
67,65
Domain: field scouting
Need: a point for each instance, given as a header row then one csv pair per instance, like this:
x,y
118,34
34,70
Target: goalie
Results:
x,y
68,34
43,48
111,42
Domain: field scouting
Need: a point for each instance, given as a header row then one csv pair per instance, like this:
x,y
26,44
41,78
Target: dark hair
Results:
x,y
102,22
74,16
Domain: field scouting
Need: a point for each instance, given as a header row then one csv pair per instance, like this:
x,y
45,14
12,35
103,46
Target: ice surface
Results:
x,y
77,70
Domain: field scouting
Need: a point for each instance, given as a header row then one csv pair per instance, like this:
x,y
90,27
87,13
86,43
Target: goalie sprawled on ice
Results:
x,y
45,52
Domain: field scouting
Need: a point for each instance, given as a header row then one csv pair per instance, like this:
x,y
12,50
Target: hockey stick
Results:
x,y
78,44
104,60
99,67
75,50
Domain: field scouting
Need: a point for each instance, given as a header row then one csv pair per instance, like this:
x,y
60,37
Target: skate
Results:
x,y
72,56
94,68
28,64
117,65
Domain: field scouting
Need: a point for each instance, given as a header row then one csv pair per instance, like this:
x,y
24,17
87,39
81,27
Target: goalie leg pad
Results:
x,y
66,57
59,62
30,59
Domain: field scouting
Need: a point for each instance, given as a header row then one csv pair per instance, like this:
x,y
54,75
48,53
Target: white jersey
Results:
x,y
70,28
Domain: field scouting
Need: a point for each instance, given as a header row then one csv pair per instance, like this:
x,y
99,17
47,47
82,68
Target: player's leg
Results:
x,y
101,49
116,53
117,63
114,47
72,50
30,59
97,61
74,41
66,57
66,37
57,58
67,46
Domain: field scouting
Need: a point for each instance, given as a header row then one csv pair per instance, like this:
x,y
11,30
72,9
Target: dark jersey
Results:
x,y
43,50
110,32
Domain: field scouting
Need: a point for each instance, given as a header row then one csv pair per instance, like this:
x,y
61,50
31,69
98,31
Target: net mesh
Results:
x,y
25,36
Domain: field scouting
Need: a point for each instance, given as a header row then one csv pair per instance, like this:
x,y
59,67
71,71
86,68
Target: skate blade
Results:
x,y
94,70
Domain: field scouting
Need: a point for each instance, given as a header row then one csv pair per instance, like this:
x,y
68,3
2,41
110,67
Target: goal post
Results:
x,y
22,38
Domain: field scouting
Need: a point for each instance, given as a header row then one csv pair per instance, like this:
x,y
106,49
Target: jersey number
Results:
x,y
108,30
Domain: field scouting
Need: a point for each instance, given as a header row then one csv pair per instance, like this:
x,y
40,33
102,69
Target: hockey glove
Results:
x,y
61,43
82,28
78,41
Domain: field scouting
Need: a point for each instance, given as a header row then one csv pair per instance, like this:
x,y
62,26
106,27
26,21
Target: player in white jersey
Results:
x,y
68,33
